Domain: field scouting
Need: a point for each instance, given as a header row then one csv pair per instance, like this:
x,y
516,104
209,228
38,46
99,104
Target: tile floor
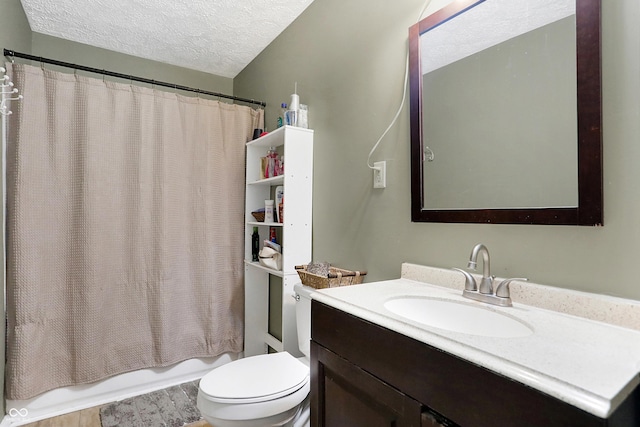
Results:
x,y
87,418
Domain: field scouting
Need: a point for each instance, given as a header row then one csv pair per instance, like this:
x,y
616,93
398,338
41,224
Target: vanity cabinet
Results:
x,y
294,235
353,397
365,375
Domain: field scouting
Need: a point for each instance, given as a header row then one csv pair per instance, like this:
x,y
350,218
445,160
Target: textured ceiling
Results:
x,y
486,25
215,36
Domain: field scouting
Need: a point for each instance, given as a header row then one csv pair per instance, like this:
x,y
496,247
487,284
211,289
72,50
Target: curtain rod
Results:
x,y
14,54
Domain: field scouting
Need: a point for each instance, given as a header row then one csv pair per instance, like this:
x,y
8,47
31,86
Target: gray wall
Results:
x,y
14,29
348,59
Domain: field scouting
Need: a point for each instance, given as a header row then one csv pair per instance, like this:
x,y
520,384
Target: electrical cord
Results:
x,y
404,97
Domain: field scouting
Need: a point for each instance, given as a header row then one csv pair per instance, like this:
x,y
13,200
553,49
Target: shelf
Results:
x,y
276,180
268,224
259,266
275,138
269,305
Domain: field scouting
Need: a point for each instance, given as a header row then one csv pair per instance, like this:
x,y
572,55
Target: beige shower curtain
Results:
x,y
125,229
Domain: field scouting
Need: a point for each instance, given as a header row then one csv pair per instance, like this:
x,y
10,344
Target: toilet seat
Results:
x,y
255,379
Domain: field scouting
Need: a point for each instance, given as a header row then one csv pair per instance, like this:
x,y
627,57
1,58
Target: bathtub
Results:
x,y
69,399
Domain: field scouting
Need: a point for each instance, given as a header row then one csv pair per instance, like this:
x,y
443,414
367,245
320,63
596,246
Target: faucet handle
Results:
x,y
469,282
502,290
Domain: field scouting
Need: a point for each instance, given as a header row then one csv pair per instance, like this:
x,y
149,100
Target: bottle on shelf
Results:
x,y
303,116
272,156
255,244
268,211
272,235
292,114
283,113
277,207
266,164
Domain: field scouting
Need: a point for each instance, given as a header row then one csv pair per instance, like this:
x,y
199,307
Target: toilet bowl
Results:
x,y
264,390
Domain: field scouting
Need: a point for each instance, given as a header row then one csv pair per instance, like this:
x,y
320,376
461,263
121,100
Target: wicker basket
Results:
x,y
337,277
258,215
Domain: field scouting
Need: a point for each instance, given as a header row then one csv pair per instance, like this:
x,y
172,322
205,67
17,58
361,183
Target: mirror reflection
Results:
x,y
506,112
501,123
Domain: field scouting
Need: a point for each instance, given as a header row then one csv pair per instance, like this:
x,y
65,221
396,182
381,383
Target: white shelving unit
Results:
x,y
296,145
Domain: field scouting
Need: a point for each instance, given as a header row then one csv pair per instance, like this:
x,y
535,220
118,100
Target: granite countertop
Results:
x,y
587,363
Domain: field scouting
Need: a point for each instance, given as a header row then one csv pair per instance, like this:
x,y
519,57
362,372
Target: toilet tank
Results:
x,y
303,317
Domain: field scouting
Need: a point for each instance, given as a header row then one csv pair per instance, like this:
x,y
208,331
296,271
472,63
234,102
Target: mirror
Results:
x,y
506,113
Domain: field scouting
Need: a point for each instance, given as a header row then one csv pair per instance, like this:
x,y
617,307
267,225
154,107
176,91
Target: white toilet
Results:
x,y
265,390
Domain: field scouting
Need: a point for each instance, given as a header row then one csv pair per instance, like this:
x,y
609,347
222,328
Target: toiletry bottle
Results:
x,y
274,163
255,244
272,235
278,199
281,210
292,117
303,116
268,211
267,173
292,113
264,167
283,112
271,155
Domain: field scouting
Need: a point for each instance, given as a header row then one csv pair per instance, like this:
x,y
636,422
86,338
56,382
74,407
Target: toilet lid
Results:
x,y
255,379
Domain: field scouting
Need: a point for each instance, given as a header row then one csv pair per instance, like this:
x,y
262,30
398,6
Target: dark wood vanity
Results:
x,y
364,375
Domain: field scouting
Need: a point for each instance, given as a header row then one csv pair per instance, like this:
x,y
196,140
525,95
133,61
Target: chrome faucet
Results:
x,y
484,293
486,284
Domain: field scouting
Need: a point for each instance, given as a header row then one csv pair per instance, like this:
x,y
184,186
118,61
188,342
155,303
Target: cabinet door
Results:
x,y
344,395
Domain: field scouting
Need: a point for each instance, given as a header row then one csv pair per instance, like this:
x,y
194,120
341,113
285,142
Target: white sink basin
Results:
x,y
457,316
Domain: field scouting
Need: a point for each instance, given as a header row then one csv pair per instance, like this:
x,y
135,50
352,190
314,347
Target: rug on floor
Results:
x,y
171,407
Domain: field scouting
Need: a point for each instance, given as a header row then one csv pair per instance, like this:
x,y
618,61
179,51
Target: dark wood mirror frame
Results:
x,y
589,113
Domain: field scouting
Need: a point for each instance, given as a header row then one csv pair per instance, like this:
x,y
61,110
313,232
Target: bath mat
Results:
x,y
171,407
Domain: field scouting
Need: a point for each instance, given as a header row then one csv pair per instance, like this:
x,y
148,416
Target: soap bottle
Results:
x,y
255,244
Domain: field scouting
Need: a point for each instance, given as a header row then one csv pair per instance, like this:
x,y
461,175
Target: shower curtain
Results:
x,y
125,210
